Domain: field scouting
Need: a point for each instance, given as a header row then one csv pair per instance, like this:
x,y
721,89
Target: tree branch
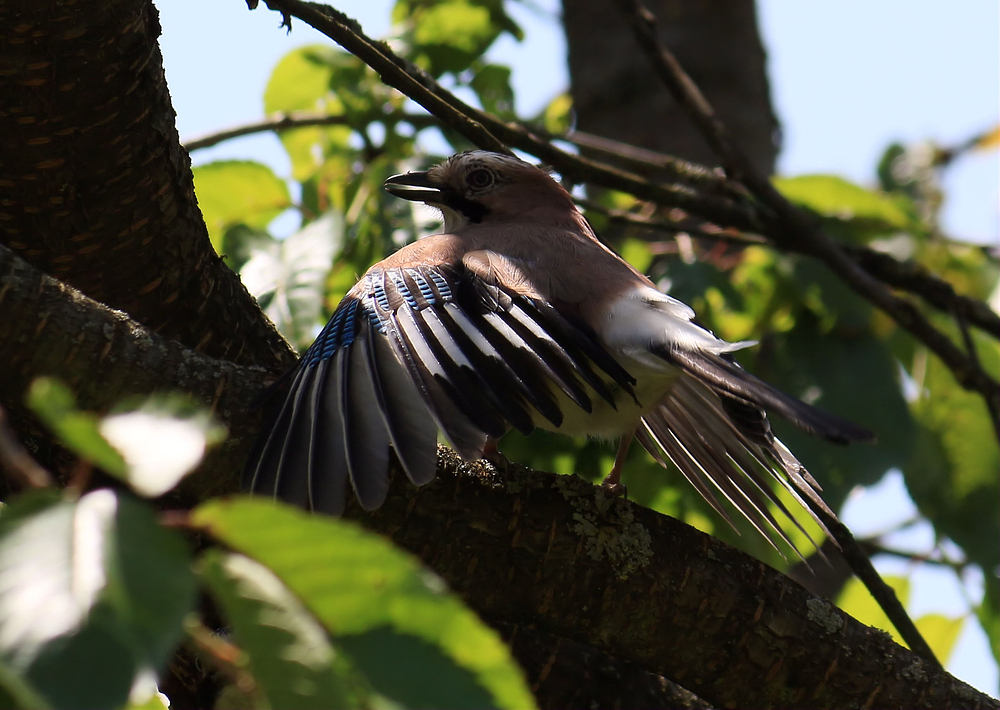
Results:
x,y
813,241
105,356
403,75
559,551
646,588
792,226
907,276
303,119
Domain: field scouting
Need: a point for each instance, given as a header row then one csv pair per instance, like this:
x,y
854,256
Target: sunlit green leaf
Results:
x,y
558,116
290,656
300,81
857,601
238,192
288,277
448,35
370,594
93,596
53,403
161,442
871,212
940,632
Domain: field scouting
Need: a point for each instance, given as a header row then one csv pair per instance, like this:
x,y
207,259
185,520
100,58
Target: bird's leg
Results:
x,y
612,482
492,454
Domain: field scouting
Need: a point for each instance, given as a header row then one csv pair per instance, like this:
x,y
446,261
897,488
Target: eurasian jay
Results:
x,y
517,316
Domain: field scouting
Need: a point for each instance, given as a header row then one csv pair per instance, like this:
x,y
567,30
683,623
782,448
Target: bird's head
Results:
x,y
482,187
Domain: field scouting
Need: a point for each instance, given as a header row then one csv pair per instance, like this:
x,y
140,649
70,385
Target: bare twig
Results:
x,y
904,275
304,119
16,460
674,222
794,228
484,130
915,278
791,226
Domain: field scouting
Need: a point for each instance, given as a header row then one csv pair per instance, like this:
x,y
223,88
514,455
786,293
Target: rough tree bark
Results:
x,y
96,192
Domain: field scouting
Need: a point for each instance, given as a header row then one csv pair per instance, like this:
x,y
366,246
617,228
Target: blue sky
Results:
x,y
847,78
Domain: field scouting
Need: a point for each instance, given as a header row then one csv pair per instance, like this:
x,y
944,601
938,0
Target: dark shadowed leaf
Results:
x,y
952,476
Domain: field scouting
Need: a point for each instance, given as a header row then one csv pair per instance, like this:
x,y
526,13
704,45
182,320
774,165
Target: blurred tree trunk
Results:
x,y
616,95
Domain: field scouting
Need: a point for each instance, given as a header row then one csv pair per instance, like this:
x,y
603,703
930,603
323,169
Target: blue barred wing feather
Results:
x,y
412,350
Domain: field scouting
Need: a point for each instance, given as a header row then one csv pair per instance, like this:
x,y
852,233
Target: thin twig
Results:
x,y
796,229
484,130
904,275
17,462
305,119
791,226
674,222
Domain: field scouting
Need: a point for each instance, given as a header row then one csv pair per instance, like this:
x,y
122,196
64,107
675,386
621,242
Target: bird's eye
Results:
x,y
479,178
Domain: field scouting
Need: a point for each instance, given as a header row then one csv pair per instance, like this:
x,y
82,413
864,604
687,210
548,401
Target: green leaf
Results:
x,y
16,693
871,212
492,85
941,633
952,476
852,375
856,600
359,584
290,656
161,441
238,192
449,35
53,403
989,612
300,81
558,115
93,596
288,277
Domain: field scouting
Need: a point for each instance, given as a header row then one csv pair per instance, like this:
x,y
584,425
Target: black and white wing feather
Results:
x,y
414,349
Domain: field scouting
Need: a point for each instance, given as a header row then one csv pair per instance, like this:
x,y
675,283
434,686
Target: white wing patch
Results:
x,y
645,317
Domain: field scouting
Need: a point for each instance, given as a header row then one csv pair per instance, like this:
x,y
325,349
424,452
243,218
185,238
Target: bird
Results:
x,y
517,316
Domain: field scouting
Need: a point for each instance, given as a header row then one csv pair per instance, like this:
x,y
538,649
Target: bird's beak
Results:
x,y
416,186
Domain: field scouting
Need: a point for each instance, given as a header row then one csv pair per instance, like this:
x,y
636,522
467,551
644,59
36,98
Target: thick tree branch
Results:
x,y
792,226
559,551
568,562
96,189
51,329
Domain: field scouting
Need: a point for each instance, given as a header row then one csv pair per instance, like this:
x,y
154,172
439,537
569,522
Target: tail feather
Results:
x,y
727,377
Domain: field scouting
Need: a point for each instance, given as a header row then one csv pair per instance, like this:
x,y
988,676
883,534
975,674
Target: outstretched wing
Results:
x,y
412,349
712,425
